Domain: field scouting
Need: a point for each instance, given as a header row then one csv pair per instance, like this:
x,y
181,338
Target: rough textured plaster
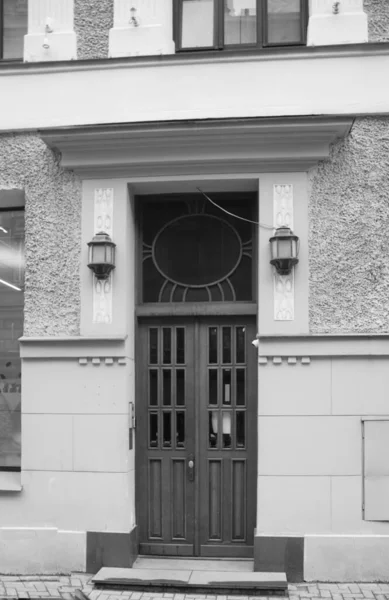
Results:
x,y
378,18
92,21
53,234
348,238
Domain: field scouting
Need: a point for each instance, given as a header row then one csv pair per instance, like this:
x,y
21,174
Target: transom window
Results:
x,y
234,24
13,28
194,252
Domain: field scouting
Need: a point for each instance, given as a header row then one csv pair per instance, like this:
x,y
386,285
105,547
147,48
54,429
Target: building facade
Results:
x,y
136,415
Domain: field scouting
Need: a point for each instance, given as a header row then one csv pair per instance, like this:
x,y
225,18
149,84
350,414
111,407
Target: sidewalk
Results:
x,y
58,586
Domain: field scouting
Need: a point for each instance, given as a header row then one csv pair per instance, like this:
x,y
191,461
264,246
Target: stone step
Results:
x,y
192,581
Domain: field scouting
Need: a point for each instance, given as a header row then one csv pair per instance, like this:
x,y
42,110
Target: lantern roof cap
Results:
x,y
101,238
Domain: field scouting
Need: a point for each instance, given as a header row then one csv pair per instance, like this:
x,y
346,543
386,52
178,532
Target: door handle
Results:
x,y
190,468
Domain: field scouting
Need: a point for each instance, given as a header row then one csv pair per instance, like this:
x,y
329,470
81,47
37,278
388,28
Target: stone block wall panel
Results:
x,y
53,234
348,241
92,21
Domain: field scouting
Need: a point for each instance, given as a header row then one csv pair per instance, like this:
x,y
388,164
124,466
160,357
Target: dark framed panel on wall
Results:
x,y
13,28
226,25
12,271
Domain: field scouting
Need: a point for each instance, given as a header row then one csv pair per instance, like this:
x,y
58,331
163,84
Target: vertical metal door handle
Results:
x,y
190,469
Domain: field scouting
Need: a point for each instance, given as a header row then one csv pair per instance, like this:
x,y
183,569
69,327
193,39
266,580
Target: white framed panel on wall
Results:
x,y
104,305
283,300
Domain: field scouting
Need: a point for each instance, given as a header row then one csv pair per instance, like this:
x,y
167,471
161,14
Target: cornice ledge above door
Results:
x,y
193,147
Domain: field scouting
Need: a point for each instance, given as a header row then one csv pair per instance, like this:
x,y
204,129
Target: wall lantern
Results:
x,y
101,255
284,246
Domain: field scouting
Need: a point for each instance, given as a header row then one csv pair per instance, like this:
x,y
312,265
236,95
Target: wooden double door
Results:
x,y
196,443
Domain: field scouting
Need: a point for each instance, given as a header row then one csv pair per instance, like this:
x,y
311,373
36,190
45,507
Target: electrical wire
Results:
x,y
263,225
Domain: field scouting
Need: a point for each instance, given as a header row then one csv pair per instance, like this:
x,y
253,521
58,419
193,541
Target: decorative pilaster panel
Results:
x,y
342,22
151,33
50,31
102,290
283,284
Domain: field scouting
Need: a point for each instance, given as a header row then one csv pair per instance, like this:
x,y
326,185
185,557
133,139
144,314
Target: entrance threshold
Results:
x,y
181,575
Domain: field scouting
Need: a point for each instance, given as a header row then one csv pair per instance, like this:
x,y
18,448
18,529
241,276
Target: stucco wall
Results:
x,y
378,18
348,238
53,234
92,21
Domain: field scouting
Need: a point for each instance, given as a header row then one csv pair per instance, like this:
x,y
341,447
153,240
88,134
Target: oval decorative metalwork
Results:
x,y
197,250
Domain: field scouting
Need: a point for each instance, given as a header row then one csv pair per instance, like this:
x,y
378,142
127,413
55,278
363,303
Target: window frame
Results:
x,y
1,30
218,24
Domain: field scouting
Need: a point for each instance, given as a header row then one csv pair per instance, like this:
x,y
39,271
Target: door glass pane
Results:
x,y
213,345
213,428
197,23
240,387
180,425
167,387
283,22
240,429
153,346
226,423
240,344
14,27
212,386
226,386
167,429
226,344
153,387
180,387
153,432
180,345
167,345
240,21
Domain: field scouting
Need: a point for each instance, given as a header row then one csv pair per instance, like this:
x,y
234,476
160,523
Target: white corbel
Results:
x,y
51,35
336,22
141,28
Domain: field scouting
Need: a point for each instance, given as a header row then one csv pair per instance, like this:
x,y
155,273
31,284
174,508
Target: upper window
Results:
x,y
232,24
13,28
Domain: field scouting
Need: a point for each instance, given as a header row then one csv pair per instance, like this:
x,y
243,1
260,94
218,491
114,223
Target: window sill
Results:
x,y
10,481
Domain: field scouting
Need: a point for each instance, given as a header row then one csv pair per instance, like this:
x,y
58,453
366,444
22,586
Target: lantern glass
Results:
x,y
98,253
284,249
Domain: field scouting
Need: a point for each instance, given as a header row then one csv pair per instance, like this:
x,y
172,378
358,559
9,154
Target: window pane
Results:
x,y
167,345
180,387
180,345
180,433
167,429
212,332
240,22
11,329
227,344
153,387
15,27
153,346
167,387
212,386
197,23
283,23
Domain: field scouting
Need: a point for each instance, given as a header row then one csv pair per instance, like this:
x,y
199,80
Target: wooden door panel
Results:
x,y
227,449
165,439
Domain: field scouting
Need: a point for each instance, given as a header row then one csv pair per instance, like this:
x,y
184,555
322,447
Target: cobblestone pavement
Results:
x,y
58,586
